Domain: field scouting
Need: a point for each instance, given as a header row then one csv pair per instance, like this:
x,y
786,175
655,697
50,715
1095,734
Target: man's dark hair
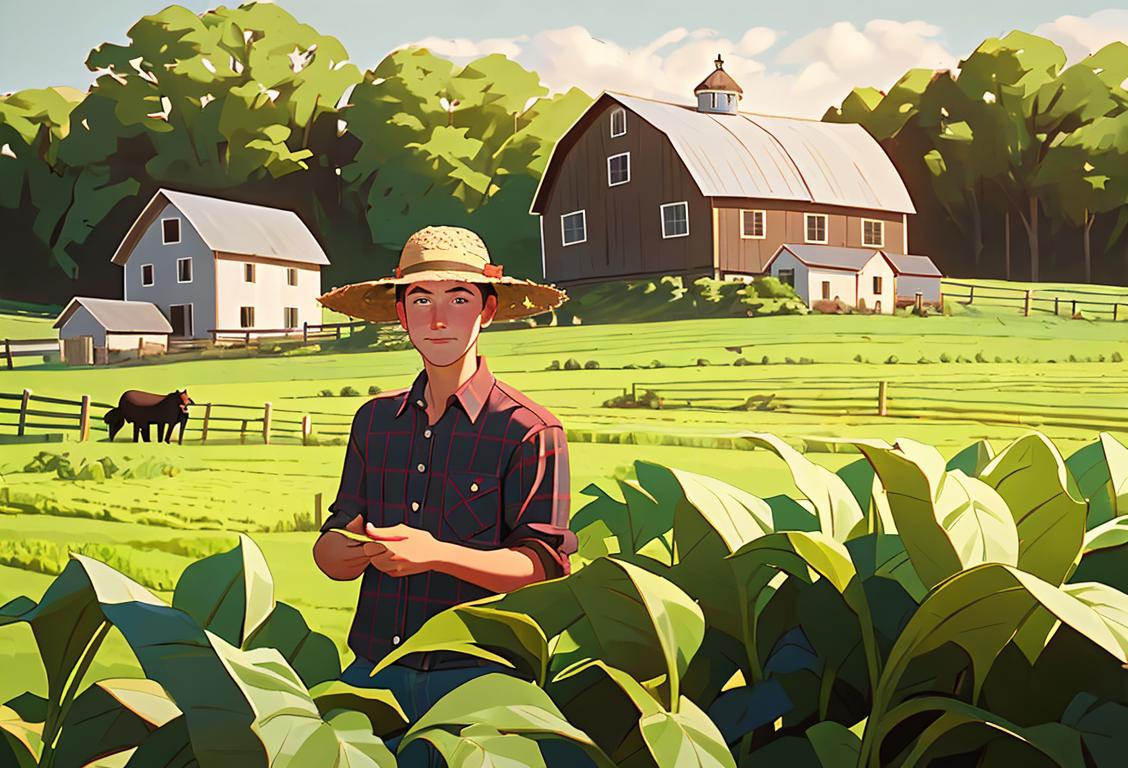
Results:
x,y
486,290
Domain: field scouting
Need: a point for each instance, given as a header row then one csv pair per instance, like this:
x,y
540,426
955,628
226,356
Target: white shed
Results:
x,y
860,277
915,274
114,325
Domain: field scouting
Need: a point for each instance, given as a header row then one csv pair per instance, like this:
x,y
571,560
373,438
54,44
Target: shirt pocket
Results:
x,y
473,508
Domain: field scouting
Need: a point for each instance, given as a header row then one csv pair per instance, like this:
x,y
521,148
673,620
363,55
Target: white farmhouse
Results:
x,y
826,273
212,264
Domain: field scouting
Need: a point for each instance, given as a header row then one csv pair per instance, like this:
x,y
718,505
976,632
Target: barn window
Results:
x,y
146,274
573,227
184,270
752,225
618,122
248,273
290,317
291,276
675,219
618,169
826,290
877,283
787,277
816,227
873,232
170,231
246,317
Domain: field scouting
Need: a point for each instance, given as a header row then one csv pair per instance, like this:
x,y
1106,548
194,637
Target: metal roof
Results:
x,y
828,256
119,316
775,158
915,266
232,227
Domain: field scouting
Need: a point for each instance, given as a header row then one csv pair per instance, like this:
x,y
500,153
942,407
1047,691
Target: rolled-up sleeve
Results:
x,y
536,500
352,494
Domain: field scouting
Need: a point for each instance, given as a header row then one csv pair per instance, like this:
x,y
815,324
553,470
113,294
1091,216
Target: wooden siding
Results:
x,y
624,225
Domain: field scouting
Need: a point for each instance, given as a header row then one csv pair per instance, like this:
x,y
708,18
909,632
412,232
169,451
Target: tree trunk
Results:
x,y
1032,238
1085,243
1006,245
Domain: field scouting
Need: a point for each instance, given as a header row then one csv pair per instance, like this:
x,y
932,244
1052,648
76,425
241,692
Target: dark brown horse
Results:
x,y
145,408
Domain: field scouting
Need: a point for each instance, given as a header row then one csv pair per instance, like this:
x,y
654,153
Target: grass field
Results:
x,y
153,527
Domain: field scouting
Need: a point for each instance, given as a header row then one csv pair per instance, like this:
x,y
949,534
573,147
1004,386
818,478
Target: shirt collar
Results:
x,y
472,395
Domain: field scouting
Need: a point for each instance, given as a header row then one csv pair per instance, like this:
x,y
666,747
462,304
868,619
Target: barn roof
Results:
x,y
827,256
913,266
117,315
232,227
758,156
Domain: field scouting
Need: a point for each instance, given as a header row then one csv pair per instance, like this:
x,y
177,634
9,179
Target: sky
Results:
x,y
791,57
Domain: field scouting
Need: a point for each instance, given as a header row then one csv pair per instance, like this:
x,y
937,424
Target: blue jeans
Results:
x,y
416,691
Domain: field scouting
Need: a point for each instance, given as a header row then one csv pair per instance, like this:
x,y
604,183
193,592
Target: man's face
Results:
x,y
443,318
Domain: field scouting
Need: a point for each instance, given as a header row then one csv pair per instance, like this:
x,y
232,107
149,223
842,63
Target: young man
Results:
x,y
463,477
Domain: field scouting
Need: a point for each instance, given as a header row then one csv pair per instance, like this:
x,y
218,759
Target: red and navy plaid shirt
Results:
x,y
491,472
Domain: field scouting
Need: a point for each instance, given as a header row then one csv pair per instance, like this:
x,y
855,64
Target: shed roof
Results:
x,y
827,256
758,156
913,266
117,315
232,227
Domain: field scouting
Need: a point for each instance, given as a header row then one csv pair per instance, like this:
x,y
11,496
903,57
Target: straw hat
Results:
x,y
443,253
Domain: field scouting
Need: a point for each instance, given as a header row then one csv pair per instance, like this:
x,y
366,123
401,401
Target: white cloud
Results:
x,y
804,78
1080,36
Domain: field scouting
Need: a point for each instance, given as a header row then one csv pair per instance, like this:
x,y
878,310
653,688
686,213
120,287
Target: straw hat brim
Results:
x,y
375,300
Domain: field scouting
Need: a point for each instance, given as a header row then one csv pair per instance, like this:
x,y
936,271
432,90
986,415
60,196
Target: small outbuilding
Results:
x,y
915,274
113,326
860,277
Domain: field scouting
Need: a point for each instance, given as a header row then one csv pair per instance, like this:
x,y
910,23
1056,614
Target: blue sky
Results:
x,y
45,42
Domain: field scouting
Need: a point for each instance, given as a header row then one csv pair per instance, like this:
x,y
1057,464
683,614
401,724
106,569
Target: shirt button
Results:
x,y
421,467
426,433
473,487
421,404
396,640
415,506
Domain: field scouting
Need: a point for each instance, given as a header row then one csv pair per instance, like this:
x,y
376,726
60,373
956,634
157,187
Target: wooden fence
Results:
x,y
1027,300
14,348
212,421
309,333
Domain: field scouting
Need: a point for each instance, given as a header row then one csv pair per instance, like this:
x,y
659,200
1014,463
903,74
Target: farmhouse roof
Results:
x,y
913,266
747,155
827,256
232,227
117,315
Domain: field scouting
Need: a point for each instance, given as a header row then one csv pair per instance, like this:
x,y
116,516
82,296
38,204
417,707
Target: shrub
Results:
x,y
945,357
657,364
892,360
765,360
373,389
325,393
923,361
1117,357
591,365
348,391
832,307
741,361
979,358
572,364
702,362
648,399
553,366
857,358
806,361
789,360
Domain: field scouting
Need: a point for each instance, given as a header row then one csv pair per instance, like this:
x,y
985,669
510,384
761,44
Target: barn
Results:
x,y
112,326
638,188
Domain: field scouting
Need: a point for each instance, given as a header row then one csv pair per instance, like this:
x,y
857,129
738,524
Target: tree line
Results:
x,y
249,103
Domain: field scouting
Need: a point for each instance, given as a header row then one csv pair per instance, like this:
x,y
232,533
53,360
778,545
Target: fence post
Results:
x,y
1055,305
207,418
84,420
882,402
1115,307
919,303
305,333
338,332
243,433
317,510
306,428
266,424
1026,307
23,411
1073,311
8,352
140,347
970,294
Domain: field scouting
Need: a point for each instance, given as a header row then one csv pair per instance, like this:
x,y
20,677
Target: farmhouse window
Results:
x,y
184,270
573,227
618,169
618,122
877,283
873,232
146,274
170,231
675,219
752,225
787,277
248,273
246,317
291,276
816,227
290,317
826,290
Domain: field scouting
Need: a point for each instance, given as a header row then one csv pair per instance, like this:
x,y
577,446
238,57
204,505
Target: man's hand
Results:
x,y
401,550
338,556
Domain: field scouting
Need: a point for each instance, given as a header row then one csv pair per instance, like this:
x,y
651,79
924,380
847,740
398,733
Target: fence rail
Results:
x,y
1032,303
14,348
310,333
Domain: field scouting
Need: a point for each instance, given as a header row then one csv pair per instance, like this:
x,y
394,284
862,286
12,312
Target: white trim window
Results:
x,y
815,228
291,275
618,169
147,275
675,219
573,228
248,272
877,284
873,233
787,276
753,225
618,122
170,231
184,270
290,317
246,317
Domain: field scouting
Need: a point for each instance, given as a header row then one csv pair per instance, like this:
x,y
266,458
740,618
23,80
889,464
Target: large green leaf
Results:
x,y
870,494
378,704
312,655
947,520
230,594
715,517
112,716
1108,535
481,746
19,740
837,509
1101,725
1031,477
1101,470
835,744
972,459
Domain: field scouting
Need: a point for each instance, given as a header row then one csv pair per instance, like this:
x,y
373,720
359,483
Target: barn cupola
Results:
x,y
718,93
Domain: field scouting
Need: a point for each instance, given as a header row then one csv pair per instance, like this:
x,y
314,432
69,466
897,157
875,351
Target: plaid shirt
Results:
x,y
492,472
